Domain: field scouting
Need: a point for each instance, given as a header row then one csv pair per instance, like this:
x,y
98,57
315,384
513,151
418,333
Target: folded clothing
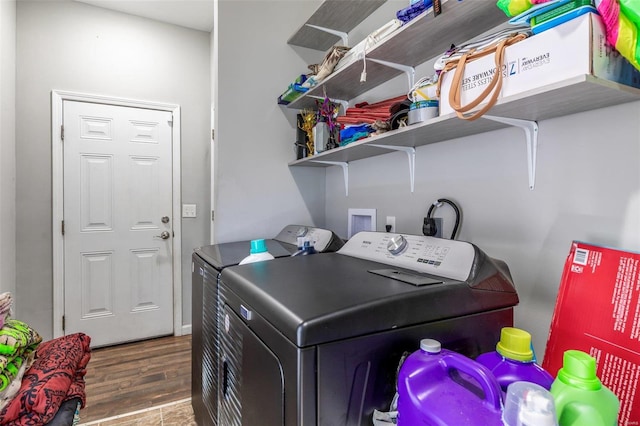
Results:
x,y
12,389
17,343
412,11
5,306
57,375
354,133
5,301
12,369
365,113
16,335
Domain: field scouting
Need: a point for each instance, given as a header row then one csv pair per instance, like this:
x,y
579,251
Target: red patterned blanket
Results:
x,y
57,374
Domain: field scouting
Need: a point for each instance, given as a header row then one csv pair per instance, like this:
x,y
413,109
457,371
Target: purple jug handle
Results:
x,y
490,386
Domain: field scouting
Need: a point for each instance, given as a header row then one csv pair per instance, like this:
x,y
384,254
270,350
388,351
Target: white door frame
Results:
x,y
57,98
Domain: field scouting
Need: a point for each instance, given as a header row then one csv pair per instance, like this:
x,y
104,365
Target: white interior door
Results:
x,y
118,283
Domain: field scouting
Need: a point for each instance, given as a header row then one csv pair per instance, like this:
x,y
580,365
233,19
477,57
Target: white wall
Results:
x,y
256,193
76,47
7,146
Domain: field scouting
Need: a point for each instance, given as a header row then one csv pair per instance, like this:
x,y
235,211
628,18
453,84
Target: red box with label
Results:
x,y
598,312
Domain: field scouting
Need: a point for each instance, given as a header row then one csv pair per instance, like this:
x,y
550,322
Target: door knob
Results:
x,y
165,219
164,235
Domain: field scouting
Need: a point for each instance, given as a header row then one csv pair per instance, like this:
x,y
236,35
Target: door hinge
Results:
x,y
212,215
62,131
213,134
63,323
62,227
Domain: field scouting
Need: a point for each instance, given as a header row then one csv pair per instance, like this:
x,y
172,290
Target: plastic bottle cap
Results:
x,y
538,409
528,404
258,246
515,344
579,370
431,346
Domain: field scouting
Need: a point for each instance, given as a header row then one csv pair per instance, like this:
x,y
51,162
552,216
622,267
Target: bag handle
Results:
x,y
491,92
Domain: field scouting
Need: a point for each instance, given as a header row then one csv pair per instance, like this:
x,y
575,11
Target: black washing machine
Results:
x,y
207,263
316,340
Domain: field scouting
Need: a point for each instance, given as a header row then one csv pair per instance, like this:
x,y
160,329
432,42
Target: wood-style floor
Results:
x,y
136,376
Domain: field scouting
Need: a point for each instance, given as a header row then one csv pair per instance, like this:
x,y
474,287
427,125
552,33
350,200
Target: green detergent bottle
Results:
x,y
580,398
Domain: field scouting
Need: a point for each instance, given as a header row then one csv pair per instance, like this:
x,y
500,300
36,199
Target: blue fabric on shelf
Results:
x,y
355,137
408,13
348,132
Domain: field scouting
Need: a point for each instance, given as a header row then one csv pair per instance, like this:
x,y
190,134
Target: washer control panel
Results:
x,y
437,256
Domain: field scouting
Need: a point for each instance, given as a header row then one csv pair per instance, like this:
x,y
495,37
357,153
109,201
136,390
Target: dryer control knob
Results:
x,y
397,244
302,231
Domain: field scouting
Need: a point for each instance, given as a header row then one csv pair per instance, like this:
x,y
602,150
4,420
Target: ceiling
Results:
x,y
196,14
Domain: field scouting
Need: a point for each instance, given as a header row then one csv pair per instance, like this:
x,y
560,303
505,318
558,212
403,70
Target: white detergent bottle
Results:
x,y
258,252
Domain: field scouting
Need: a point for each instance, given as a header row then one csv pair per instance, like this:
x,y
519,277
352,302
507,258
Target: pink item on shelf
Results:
x,y
609,10
621,19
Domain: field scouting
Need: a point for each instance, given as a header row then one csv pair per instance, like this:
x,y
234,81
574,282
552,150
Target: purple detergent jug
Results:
x,y
512,361
442,388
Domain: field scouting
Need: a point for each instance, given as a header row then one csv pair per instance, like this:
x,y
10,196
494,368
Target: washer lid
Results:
x,y
322,298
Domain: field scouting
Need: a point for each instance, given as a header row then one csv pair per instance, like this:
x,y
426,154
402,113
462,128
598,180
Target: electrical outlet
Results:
x,y
188,210
391,222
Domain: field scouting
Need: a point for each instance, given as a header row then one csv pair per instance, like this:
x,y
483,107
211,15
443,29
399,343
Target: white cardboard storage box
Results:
x,y
575,48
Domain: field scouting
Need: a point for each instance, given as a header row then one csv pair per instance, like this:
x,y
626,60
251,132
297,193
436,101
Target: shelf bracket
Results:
x,y
408,70
411,153
341,34
345,104
530,128
345,171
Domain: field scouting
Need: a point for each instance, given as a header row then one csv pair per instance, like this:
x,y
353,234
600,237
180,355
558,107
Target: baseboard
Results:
x,y
186,329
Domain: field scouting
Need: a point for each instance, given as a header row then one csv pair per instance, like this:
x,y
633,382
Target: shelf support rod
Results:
x,y
530,128
345,104
345,171
409,71
411,153
341,34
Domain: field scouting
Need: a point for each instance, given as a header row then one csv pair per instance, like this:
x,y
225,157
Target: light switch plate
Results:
x,y
188,210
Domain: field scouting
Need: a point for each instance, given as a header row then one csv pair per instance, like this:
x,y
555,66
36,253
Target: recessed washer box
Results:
x,y
361,220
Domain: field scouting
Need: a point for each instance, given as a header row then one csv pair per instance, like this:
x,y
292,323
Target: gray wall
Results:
x,y
7,146
213,38
588,185
256,193
72,46
587,188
